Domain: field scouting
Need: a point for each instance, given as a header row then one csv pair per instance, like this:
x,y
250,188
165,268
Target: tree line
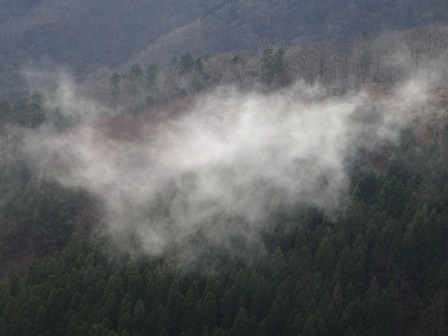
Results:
x,y
384,60
387,59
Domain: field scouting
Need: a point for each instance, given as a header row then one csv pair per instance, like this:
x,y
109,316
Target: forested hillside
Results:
x,y
87,36
379,268
224,168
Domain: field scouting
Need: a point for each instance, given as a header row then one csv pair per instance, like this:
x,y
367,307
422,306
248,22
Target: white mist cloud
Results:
x,y
221,168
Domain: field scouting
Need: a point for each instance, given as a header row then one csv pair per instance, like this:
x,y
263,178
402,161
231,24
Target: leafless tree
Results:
x,y
363,57
427,46
343,74
391,59
316,62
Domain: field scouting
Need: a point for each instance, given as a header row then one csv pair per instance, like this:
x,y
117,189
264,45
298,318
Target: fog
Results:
x,y
220,169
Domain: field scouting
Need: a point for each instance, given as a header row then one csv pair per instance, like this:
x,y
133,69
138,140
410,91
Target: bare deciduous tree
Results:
x,y
427,46
316,62
391,59
363,57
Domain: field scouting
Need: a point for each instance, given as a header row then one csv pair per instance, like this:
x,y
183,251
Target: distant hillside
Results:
x,y
238,24
83,35
87,35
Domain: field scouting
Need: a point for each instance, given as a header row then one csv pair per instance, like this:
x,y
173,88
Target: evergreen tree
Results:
x,y
241,324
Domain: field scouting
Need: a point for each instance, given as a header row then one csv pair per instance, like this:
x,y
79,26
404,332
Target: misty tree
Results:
x,y
200,79
344,74
414,42
427,46
192,74
5,114
315,61
37,112
391,62
216,69
362,53
136,72
273,67
170,80
184,76
186,63
135,82
435,44
151,76
199,63
21,112
229,69
114,88
305,65
136,77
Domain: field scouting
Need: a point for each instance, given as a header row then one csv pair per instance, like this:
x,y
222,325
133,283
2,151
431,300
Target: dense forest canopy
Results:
x,y
377,268
275,179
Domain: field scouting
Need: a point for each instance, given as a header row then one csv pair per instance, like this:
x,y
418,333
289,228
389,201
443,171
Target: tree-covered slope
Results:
x,y
379,268
88,35
81,35
374,265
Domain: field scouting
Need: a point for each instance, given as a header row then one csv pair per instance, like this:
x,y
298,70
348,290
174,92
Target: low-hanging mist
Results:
x,y
222,167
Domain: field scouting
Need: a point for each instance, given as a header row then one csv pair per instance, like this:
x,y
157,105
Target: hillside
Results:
x,y
379,267
224,167
81,35
88,35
